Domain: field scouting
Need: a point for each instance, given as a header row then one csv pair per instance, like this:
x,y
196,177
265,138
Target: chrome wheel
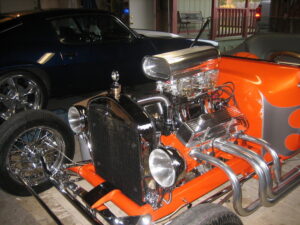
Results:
x,y
25,153
27,139
19,93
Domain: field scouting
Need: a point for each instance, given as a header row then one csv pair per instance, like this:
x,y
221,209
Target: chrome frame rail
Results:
x,y
89,214
72,191
40,201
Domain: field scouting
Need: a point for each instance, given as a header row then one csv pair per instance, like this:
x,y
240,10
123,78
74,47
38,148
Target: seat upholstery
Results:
x,y
263,45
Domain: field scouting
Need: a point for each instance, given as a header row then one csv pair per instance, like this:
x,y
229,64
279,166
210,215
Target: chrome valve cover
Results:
x,y
206,127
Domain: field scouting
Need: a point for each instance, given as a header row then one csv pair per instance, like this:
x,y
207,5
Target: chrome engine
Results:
x,y
197,110
189,105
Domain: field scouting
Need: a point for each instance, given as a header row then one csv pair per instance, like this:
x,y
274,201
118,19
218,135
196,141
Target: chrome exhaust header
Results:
x,y
268,193
236,187
285,183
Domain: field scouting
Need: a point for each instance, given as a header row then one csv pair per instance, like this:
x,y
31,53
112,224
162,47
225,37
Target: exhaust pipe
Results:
x,y
268,195
286,183
236,187
276,161
255,161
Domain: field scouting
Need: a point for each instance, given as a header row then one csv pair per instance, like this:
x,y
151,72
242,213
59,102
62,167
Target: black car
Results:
x,y
63,52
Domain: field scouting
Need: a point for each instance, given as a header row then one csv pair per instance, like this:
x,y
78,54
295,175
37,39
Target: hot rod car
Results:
x,y
156,149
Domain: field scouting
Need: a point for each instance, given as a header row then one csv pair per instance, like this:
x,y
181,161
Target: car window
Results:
x,y
68,31
112,30
102,29
90,29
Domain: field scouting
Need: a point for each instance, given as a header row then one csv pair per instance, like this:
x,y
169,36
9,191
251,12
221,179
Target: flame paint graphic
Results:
x,y
277,130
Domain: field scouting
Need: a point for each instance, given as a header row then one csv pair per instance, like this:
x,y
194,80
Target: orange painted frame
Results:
x,y
182,195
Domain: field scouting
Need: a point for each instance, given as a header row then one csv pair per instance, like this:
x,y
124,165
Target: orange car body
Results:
x,y
266,93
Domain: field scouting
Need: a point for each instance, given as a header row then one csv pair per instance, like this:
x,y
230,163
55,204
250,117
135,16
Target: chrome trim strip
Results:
x,y
12,27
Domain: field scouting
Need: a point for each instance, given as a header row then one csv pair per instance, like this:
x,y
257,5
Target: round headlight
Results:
x,y
165,166
77,119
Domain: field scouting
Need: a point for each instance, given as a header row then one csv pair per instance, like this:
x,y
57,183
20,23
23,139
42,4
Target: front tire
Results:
x,y
207,214
24,139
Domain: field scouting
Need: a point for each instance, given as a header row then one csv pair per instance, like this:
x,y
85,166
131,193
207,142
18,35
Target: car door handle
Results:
x,y
69,55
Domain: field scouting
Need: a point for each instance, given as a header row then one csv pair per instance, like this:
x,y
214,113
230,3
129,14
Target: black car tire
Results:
x,y
30,92
207,214
52,136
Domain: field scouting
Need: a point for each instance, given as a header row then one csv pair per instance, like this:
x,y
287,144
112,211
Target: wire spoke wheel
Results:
x,y
32,143
19,92
25,154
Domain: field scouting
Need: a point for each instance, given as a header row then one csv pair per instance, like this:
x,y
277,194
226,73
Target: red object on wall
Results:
x,y
258,13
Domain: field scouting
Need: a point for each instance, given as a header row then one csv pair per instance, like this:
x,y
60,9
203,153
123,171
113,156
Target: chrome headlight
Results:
x,y
77,119
165,166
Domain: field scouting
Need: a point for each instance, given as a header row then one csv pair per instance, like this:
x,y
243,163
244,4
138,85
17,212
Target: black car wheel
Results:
x,y
25,139
207,214
20,91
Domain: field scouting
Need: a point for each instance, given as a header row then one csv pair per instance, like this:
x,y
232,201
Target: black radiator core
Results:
x,y
116,147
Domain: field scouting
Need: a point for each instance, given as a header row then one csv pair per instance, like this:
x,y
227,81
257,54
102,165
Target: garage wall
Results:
x,y
17,5
48,4
142,14
195,6
20,5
